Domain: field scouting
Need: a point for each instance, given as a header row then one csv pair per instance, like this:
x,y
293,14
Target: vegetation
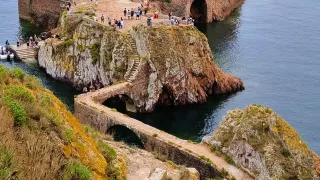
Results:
x,y
7,168
95,52
44,129
264,129
76,170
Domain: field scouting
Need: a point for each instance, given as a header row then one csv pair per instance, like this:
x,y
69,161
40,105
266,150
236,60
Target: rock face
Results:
x,y
176,64
42,13
202,10
259,140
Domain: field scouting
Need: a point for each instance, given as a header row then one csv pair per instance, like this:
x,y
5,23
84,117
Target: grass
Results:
x,y
75,170
19,93
17,110
69,135
109,153
224,172
6,164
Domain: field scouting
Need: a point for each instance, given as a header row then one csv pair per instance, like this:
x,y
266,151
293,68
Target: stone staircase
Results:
x,y
134,70
24,52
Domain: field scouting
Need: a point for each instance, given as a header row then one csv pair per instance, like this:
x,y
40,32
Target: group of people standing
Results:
x,y
130,13
92,88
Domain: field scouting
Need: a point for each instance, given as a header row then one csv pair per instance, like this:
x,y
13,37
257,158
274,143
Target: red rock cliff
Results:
x,y
43,13
202,10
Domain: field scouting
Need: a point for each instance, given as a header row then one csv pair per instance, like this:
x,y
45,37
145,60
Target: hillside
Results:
x,y
40,139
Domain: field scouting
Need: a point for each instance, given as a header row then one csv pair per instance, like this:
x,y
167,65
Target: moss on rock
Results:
x,y
258,139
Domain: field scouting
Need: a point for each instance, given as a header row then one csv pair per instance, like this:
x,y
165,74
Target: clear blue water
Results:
x,y
273,46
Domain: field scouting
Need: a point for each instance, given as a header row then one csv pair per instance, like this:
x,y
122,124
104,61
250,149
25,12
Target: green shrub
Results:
x,y
18,73
16,109
69,135
95,52
155,135
19,93
108,152
75,170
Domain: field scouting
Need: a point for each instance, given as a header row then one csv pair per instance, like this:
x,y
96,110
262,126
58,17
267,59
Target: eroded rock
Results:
x,y
176,63
260,141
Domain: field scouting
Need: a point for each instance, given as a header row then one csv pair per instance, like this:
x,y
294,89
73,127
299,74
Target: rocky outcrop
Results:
x,y
176,64
259,140
202,10
42,13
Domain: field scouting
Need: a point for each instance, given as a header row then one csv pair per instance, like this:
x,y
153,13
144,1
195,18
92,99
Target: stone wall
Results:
x,y
44,13
102,120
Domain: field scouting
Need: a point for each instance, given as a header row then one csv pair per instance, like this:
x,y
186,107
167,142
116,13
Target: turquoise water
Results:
x,y
273,46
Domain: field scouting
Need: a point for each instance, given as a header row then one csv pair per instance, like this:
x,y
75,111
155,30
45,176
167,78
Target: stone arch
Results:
x,y
125,134
199,11
121,102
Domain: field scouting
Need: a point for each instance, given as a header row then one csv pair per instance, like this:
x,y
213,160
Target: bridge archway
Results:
x,y
121,103
122,133
199,11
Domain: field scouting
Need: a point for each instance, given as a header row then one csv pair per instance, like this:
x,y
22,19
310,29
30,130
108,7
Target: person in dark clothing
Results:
x,y
125,12
132,13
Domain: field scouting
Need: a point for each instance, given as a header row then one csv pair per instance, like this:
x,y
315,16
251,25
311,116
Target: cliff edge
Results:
x,y
42,13
260,141
174,65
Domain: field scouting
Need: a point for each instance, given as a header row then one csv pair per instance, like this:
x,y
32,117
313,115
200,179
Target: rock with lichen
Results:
x,y
260,141
176,65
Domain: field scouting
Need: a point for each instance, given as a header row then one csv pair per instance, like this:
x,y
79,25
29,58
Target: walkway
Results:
x,y
93,101
24,52
114,10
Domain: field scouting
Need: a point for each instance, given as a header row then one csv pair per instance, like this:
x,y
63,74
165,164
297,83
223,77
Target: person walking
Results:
x,y
102,19
109,21
132,13
128,14
125,12
137,14
121,23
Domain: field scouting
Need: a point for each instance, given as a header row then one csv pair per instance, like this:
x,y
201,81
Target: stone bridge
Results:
x,y
89,110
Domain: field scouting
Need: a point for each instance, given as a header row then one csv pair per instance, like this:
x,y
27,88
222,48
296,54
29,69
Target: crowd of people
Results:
x,y
31,42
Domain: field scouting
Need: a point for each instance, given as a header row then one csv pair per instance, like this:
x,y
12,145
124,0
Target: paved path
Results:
x,y
196,149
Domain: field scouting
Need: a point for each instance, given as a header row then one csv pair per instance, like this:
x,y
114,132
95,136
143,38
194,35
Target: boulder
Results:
x,y
158,174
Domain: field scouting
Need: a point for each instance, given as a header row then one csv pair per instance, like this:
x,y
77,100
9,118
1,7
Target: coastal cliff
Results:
x,y
202,10
41,139
260,141
176,66
42,13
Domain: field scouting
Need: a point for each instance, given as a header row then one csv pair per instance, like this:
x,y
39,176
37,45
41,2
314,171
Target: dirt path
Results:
x,y
114,9
196,149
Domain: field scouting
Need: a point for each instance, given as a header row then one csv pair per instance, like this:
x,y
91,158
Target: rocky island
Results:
x,y
260,141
